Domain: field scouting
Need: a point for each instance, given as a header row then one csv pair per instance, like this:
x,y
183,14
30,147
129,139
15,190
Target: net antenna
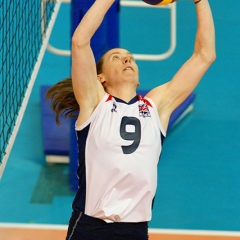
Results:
x,y
25,29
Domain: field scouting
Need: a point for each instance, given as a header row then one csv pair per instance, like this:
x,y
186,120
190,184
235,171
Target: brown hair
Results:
x,y
63,101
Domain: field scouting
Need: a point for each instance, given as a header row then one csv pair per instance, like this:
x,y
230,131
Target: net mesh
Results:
x,y
23,25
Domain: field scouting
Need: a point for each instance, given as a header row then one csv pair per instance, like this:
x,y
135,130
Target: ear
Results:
x,y
100,78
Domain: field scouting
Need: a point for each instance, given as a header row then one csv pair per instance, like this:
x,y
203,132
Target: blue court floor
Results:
x,y
199,171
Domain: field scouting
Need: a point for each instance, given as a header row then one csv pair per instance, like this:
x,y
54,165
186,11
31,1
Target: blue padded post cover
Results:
x,y
55,138
105,38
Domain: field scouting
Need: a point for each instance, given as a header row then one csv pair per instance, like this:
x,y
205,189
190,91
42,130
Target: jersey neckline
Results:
x,y
133,100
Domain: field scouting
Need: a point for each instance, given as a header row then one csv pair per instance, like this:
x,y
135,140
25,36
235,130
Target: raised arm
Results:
x,y
87,89
168,96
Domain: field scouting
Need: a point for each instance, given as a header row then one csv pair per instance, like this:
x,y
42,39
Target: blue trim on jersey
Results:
x,y
80,199
133,100
162,138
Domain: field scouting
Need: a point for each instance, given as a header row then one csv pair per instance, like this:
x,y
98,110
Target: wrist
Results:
x,y
197,1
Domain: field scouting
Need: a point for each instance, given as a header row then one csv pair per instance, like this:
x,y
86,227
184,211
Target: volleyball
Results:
x,y
159,2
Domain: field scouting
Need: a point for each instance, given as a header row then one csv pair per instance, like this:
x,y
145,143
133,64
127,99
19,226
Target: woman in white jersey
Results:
x,y
120,134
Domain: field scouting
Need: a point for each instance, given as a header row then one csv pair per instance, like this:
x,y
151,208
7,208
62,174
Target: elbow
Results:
x,y
79,42
208,57
205,52
212,57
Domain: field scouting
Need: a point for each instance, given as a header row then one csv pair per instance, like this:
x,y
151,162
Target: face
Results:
x,y
119,67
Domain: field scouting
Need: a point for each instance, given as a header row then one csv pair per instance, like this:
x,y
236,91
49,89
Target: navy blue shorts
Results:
x,y
83,227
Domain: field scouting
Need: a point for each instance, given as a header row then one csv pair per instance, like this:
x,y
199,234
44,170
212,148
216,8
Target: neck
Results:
x,y
124,94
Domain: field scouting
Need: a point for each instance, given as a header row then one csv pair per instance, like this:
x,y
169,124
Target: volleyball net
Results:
x,y
25,28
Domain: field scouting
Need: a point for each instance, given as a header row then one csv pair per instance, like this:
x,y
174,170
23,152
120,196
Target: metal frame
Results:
x,y
147,57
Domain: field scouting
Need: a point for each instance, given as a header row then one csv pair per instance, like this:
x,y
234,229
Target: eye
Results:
x,y
115,57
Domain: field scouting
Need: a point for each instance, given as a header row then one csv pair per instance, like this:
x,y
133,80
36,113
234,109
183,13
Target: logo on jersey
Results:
x,y
143,107
114,108
143,110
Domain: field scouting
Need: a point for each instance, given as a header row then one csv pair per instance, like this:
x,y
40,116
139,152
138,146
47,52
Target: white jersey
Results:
x,y
119,149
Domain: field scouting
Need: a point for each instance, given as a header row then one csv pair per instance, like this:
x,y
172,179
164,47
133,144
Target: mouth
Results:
x,y
128,68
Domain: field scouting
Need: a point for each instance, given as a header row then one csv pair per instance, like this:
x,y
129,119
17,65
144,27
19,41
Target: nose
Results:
x,y
126,59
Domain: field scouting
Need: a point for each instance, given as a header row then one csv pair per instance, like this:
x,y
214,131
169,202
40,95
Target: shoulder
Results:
x,y
87,111
158,95
162,102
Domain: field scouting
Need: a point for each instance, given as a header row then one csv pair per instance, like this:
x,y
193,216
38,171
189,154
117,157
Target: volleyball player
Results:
x,y
120,134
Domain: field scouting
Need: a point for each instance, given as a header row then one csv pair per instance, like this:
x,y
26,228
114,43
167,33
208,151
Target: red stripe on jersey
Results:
x,y
109,98
140,98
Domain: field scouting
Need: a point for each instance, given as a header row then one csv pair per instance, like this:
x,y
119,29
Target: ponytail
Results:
x,y
63,101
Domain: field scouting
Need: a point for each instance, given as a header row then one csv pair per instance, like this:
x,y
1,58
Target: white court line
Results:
x,y
195,232
34,226
151,230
